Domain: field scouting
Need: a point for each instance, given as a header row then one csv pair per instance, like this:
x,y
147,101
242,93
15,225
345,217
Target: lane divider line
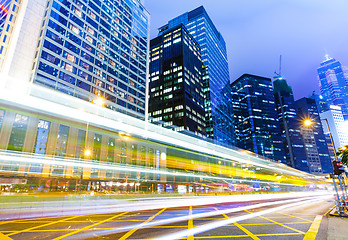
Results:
x,y
314,228
329,210
296,217
250,234
278,223
190,224
4,237
89,226
217,224
202,215
128,234
42,225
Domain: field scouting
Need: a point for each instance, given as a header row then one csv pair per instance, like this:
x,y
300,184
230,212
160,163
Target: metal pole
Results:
x,y
337,202
344,186
343,192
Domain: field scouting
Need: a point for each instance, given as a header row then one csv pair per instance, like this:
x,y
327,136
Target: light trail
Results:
x,y
114,121
217,224
41,159
206,227
84,207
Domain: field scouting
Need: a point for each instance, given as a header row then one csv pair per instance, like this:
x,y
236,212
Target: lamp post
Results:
x,y
309,122
341,203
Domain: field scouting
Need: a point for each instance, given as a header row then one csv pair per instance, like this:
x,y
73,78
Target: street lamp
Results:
x,y
309,122
340,201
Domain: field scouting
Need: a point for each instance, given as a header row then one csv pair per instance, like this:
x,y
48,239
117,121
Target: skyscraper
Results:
x,y
4,6
314,140
333,83
338,127
256,122
289,125
86,49
320,101
8,15
214,57
176,85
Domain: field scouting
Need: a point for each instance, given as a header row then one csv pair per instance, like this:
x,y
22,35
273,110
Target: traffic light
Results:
x,y
338,167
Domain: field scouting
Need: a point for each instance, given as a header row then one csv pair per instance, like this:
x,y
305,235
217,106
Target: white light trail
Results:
x,y
217,224
206,227
28,158
115,121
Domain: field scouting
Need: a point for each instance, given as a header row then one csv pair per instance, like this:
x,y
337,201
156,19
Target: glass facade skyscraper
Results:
x,y
289,125
256,121
4,6
317,152
333,83
320,101
95,48
218,113
338,127
176,86
8,15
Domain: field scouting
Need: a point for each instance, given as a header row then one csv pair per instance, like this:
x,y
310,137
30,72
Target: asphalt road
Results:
x,y
249,220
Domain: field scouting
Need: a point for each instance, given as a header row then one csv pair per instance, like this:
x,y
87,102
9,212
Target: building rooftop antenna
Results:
x,y
279,74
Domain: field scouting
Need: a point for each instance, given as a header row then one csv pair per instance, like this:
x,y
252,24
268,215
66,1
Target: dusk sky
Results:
x,y
258,31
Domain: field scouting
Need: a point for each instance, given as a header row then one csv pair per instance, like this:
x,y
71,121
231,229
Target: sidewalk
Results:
x,y
337,227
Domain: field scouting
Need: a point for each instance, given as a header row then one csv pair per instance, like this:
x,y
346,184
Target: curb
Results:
x,y
333,213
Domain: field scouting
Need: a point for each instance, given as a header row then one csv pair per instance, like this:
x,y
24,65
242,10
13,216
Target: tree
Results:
x,y
343,153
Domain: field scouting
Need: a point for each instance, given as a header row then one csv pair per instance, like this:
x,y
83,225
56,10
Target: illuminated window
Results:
x,y
101,47
112,63
78,12
179,107
101,56
168,110
68,67
130,98
74,29
18,132
62,140
90,30
101,38
89,39
71,57
92,15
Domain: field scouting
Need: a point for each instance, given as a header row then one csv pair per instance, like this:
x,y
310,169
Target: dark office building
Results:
x,y
218,117
176,86
316,148
256,122
289,125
